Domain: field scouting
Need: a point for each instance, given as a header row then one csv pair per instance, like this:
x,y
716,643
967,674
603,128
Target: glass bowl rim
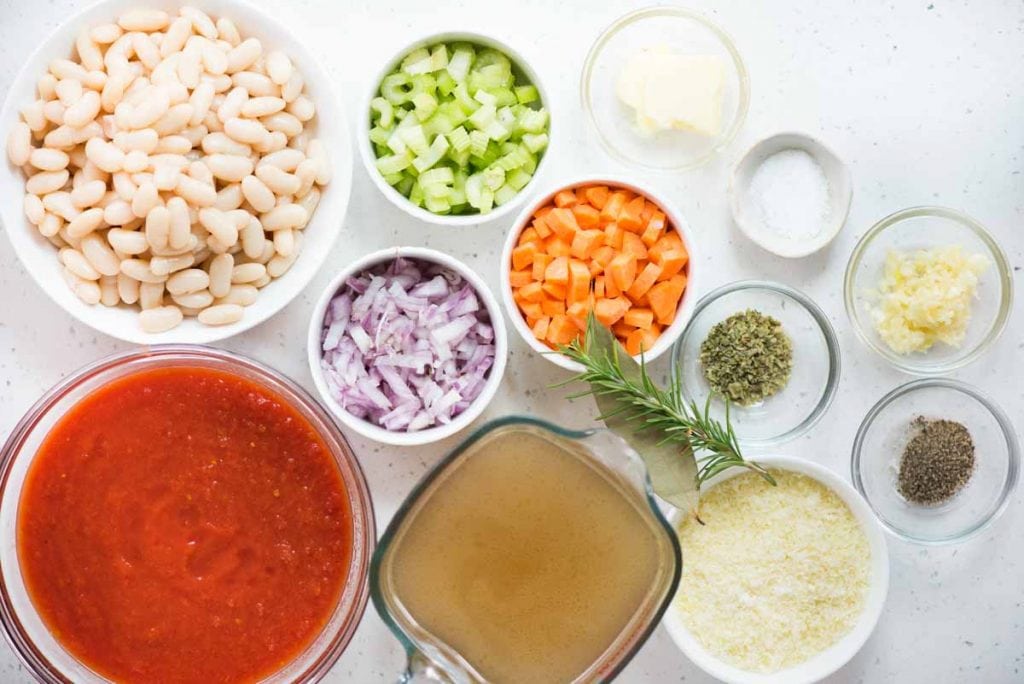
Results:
x,y
1005,426
827,331
38,665
1003,272
380,601
661,10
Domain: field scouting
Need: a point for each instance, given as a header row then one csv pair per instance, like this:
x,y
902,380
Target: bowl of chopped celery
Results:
x,y
455,129
928,289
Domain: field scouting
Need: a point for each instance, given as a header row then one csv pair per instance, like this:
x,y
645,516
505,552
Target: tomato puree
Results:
x,y
184,525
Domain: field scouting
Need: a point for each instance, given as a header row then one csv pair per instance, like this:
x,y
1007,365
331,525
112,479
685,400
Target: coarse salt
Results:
x,y
791,194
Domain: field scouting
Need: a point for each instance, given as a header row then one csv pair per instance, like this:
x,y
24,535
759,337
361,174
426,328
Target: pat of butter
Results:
x,y
670,91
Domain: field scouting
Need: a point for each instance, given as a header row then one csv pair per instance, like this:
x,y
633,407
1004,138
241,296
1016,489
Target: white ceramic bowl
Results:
x,y
745,214
686,304
39,257
369,158
433,434
831,659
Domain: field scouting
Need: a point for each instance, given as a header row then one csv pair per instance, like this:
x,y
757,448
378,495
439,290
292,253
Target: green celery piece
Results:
x,y
483,117
458,189
460,61
400,114
379,136
474,189
416,57
518,179
493,176
445,83
489,57
404,186
504,194
485,98
436,191
460,159
533,121
442,175
489,78
459,139
426,105
393,178
437,205
396,88
381,150
530,167
486,201
396,143
495,131
393,164
423,83
431,156
504,97
415,137
507,117
514,159
385,112
464,99
535,143
439,57
526,94
489,157
416,195
478,143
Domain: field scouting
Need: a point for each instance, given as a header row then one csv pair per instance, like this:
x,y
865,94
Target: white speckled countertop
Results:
x,y
924,99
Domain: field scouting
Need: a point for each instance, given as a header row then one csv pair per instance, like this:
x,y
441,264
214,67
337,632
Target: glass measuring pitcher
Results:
x,y
529,553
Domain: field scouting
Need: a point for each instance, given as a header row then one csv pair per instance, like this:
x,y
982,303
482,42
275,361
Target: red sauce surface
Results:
x,y
184,525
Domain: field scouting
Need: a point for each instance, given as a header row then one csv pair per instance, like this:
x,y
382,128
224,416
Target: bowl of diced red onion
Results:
x,y
407,346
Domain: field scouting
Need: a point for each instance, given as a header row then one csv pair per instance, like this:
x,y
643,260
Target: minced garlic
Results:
x,y
925,297
775,575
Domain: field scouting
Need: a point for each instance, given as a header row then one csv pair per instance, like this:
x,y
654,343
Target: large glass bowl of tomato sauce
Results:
x,y
38,630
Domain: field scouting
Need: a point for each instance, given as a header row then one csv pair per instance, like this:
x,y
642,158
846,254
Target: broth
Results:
x,y
525,558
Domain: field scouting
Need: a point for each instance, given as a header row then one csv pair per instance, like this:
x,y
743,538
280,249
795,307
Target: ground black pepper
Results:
x,y
937,461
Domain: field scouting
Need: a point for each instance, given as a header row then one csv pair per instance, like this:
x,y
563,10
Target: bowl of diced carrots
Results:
x,y
601,244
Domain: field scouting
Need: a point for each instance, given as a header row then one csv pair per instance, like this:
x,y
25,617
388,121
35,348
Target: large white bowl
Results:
x,y
370,158
39,257
438,432
686,305
834,657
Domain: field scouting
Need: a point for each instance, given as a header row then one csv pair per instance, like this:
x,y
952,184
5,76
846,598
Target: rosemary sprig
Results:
x,y
639,401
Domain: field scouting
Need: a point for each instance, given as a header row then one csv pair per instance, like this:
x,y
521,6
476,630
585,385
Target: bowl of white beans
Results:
x,y
173,172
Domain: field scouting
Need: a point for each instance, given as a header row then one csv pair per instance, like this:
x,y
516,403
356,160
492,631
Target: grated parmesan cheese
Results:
x,y
925,297
775,575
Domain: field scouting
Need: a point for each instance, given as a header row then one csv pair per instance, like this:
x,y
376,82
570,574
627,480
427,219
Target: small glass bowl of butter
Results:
x,y
664,89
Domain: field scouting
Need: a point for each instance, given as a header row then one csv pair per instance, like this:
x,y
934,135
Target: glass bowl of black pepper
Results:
x,y
765,353
937,460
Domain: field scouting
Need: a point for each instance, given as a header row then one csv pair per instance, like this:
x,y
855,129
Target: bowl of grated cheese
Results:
x,y
782,584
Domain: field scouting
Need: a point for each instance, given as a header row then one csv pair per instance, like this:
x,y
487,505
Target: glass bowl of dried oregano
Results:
x,y
937,460
765,353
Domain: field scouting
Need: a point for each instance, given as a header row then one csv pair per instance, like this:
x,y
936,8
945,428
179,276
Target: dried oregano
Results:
x,y
747,357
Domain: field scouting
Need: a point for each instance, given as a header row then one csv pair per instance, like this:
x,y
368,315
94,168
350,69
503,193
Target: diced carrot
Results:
x,y
622,330
584,242
609,311
610,288
531,310
565,198
597,195
611,209
540,264
664,301
557,247
553,307
561,330
651,235
629,217
556,290
631,244
519,278
672,262
640,341
563,222
586,216
622,270
540,328
528,235
542,228
579,281
678,284
522,256
656,220
603,255
581,194
613,235
595,268
532,292
558,271
598,284
543,211
649,210
669,240
643,282
639,318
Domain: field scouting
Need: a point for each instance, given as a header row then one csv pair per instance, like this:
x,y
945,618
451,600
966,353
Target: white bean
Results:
x,y
193,300
220,226
317,152
19,144
146,198
247,273
228,32
109,296
242,56
222,314
158,227
151,295
201,21
242,295
220,143
195,192
302,108
35,212
253,238
229,197
189,280
60,203
99,255
284,242
200,172
201,99
229,168
175,37
143,140
231,107
180,223
165,177
258,85
160,319
261,106
258,194
189,68
127,241
214,60
46,159
124,186
283,122
86,290
309,202
105,155
147,20
221,270
280,182
105,34
53,111
114,88
85,223
153,105
47,182
136,161
284,217
293,88
65,68
287,159
279,67
166,265
68,91
76,262
88,193
33,115
127,289
146,50
139,269
306,173
245,130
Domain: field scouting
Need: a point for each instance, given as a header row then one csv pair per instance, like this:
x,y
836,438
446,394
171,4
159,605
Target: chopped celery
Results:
x,y
426,105
432,155
526,94
456,130
385,112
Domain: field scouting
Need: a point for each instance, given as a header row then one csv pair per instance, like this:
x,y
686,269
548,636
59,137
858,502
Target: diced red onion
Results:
x,y
406,345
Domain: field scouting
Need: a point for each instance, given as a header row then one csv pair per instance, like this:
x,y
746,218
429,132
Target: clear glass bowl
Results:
x,y
42,655
922,228
430,659
813,381
681,31
883,435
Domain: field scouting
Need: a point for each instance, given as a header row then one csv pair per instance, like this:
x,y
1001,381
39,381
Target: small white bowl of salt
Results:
x,y
790,194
